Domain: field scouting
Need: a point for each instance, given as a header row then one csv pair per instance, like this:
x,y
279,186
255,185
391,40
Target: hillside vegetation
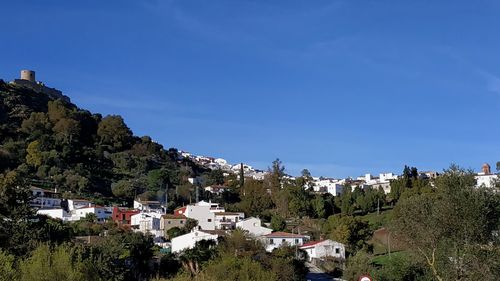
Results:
x,y
55,144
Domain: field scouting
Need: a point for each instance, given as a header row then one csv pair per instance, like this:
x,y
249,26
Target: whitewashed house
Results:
x,y
147,223
323,249
45,199
277,239
74,204
188,241
148,206
102,213
57,213
486,180
253,226
203,214
227,220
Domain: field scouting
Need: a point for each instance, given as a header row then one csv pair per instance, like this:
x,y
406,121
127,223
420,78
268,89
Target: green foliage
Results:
x,y
318,205
45,264
278,223
254,198
358,265
54,142
400,266
231,268
215,177
113,132
174,232
450,228
351,231
8,271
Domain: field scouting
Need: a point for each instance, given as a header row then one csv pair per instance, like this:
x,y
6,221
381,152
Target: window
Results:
x,y
283,240
169,222
271,241
296,241
337,251
209,220
181,222
123,217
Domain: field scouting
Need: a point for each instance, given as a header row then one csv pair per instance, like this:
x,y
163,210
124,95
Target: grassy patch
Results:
x,y
382,260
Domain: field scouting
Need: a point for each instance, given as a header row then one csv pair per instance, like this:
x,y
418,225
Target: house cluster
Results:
x,y
224,165
214,222
150,217
336,186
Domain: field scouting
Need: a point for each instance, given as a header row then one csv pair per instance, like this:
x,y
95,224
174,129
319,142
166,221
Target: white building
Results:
x,y
74,204
102,213
188,241
203,214
148,206
486,180
334,187
58,213
324,248
277,239
227,220
147,223
216,189
253,226
45,199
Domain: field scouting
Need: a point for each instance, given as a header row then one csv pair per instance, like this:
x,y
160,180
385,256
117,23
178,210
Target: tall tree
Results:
x,y
452,227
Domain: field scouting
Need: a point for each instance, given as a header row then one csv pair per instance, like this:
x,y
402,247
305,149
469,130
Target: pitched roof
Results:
x,y
280,234
311,244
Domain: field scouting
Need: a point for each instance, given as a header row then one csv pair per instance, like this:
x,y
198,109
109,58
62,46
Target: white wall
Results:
x,y
205,218
486,180
188,241
100,212
327,248
146,221
272,243
77,204
254,227
227,221
55,213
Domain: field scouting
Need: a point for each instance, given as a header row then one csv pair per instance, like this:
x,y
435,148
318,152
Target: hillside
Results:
x,y
55,144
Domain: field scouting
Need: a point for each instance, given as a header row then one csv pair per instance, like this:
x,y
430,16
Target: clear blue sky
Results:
x,y
339,87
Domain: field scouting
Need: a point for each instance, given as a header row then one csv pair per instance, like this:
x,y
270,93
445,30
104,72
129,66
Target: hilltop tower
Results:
x,y
27,80
28,75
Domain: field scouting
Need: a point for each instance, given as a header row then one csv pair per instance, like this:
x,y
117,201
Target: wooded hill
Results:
x,y
55,144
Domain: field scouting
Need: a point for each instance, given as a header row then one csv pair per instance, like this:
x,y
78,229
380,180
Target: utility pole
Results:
x,y
378,206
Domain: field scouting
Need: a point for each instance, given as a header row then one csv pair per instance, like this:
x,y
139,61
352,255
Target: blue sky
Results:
x,y
339,87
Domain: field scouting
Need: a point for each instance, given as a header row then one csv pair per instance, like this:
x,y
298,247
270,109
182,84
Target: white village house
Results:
x,y
57,213
253,226
101,213
277,239
323,249
227,220
147,223
204,212
188,240
45,199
